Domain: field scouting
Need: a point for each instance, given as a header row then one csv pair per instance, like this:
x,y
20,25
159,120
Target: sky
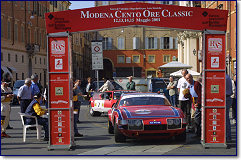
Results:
x,y
81,4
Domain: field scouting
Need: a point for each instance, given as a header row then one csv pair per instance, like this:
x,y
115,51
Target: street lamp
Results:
x,y
194,52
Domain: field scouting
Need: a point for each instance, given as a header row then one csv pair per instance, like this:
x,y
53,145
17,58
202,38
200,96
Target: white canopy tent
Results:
x,y
179,73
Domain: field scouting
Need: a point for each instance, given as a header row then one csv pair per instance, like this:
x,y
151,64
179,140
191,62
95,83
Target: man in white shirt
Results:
x,y
184,103
108,86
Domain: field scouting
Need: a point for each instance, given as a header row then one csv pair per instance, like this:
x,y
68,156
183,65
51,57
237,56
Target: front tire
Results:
x,y
119,137
94,113
181,137
110,128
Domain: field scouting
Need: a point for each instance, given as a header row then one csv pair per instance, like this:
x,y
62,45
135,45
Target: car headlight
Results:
x,y
135,124
170,121
177,121
138,123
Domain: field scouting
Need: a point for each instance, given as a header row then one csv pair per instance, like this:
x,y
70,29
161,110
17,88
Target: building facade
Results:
x,y
23,39
137,51
231,32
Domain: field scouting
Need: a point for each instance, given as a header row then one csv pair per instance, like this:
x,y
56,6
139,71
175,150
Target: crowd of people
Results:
x,y
189,96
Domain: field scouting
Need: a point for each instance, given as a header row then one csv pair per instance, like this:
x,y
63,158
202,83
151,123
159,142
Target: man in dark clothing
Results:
x,y
131,84
34,109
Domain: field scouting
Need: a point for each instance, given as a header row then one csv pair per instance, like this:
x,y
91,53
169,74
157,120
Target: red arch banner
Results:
x,y
136,14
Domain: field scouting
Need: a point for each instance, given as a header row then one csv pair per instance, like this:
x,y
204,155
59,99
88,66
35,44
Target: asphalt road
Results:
x,y
97,141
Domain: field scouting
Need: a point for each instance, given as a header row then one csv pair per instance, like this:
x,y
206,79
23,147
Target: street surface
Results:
x,y
97,141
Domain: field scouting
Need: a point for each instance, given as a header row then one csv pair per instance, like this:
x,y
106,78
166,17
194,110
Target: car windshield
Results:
x,y
117,94
140,101
18,84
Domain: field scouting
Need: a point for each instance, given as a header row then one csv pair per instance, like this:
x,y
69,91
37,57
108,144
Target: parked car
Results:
x,y
145,115
101,102
116,85
16,87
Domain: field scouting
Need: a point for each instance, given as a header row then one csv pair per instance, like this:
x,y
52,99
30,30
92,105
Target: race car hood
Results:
x,y
151,111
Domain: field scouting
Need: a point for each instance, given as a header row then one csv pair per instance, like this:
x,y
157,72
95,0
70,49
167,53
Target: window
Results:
x,y
9,30
22,34
28,40
16,76
22,58
40,61
151,43
151,58
44,61
16,32
120,2
166,58
1,56
22,75
2,25
40,39
120,59
121,43
136,42
9,57
16,58
176,43
104,3
29,6
35,60
166,42
35,36
136,58
107,43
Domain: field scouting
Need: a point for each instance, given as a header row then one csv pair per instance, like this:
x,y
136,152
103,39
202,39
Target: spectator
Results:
x,y
196,96
184,103
131,84
77,103
6,97
45,97
24,95
172,91
34,86
90,87
34,109
233,96
107,86
229,92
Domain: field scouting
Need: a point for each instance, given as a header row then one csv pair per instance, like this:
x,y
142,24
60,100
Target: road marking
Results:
x,y
132,149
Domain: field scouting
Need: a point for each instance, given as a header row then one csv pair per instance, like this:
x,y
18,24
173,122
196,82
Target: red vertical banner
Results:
x,y
60,82
214,91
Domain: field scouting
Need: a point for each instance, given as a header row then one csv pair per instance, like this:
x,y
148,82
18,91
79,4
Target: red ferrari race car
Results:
x,y
101,102
145,115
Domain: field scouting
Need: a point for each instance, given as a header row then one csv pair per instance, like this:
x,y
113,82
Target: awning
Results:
x,y
179,73
12,68
5,70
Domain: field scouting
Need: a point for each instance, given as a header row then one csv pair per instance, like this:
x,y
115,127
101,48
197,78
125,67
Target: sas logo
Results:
x,y
215,44
58,47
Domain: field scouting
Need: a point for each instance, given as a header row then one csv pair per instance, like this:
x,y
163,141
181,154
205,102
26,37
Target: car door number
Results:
x,y
99,103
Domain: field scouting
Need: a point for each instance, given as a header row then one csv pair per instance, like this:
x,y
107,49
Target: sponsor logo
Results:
x,y
58,80
214,88
143,111
214,128
214,117
215,44
59,112
214,139
60,129
59,91
59,123
60,139
59,118
58,47
59,101
214,100
214,62
60,134
214,110
214,122
58,64
214,77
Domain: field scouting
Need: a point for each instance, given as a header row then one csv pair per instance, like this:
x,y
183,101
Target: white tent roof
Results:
x,y
179,73
175,64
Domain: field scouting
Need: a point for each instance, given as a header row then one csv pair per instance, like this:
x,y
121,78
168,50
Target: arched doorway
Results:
x,y
108,70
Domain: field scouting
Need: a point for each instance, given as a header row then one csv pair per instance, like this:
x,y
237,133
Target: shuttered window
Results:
x,y
121,43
